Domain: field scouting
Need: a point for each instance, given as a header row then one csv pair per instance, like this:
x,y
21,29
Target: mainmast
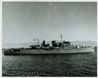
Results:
x,y
61,37
61,40
38,40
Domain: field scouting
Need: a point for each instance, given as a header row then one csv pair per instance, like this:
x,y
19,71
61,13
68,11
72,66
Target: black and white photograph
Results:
x,y
49,39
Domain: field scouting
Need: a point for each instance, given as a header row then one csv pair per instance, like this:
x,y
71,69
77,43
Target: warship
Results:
x,y
54,47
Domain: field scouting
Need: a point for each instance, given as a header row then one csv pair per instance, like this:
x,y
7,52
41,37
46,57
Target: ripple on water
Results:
x,y
50,65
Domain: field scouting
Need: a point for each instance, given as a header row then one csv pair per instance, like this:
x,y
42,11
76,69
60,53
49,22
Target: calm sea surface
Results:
x,y
50,65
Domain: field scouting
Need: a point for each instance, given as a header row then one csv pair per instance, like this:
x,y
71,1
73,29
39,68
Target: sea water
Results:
x,y
50,65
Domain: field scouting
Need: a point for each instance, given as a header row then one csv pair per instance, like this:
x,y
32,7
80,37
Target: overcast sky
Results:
x,y
24,21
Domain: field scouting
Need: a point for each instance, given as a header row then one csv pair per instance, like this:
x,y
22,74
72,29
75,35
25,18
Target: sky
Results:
x,y
27,21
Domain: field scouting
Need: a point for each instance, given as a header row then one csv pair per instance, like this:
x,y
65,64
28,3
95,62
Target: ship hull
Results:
x,y
55,51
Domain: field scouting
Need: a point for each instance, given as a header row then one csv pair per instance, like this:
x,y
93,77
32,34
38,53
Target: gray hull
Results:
x,y
54,51
59,51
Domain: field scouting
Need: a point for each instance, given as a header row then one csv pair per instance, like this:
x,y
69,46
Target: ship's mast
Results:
x,y
38,41
61,37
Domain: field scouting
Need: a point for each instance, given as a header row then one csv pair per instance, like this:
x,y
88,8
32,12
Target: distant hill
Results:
x,y
16,45
84,43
